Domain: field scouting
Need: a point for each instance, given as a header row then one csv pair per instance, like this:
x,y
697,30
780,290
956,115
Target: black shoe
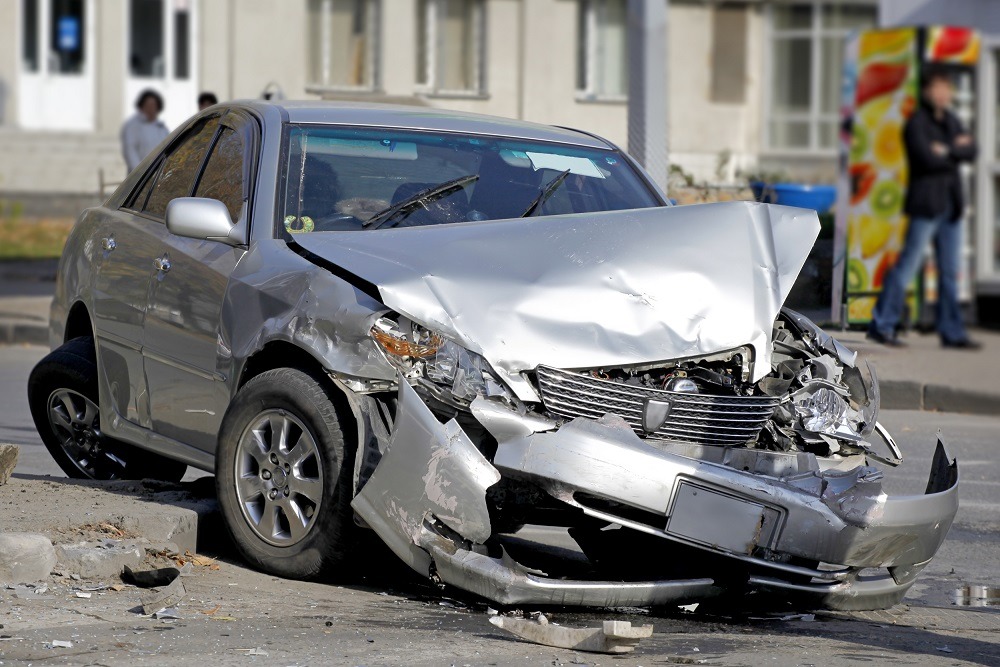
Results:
x,y
882,339
964,344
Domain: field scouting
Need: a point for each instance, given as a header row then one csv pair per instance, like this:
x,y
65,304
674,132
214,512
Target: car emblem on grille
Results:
x,y
655,412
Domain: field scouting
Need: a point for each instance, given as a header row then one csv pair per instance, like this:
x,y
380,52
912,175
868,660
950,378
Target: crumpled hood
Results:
x,y
589,290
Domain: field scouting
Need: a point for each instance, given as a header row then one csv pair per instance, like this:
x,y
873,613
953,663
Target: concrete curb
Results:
x,y
909,395
183,514
17,333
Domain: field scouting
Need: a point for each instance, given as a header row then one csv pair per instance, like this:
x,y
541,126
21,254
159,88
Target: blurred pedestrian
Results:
x,y
936,143
144,130
207,99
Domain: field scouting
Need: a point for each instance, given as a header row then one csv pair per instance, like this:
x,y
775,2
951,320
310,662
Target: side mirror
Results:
x,y
201,218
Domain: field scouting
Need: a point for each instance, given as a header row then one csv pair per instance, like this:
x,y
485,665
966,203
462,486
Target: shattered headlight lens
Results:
x,y
420,353
823,411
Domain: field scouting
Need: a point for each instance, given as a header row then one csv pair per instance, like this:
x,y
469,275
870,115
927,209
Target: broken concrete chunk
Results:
x,y
612,637
163,597
8,460
25,557
99,560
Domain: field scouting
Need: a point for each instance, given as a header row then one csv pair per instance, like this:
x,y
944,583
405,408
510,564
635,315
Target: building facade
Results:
x,y
751,85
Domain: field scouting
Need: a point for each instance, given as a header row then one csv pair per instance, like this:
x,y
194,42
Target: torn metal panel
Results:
x,y
506,582
512,290
830,516
430,472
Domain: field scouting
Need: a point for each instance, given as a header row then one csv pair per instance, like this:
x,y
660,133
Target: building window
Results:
x,y
806,56
451,46
602,57
342,44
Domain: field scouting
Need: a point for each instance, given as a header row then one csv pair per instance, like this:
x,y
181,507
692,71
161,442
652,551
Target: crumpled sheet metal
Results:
x,y
590,290
506,582
289,299
851,522
429,471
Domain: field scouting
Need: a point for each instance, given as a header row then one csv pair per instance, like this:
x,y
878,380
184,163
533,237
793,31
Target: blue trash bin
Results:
x,y
820,198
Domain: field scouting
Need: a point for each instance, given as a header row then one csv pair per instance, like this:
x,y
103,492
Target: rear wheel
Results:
x,y
64,403
283,485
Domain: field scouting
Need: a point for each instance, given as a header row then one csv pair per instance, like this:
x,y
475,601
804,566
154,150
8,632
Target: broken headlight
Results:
x,y
421,354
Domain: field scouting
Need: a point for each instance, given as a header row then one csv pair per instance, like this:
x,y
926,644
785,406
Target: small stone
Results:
x,y
8,459
25,557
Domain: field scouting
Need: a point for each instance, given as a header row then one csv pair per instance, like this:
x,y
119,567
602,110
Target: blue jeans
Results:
x,y
947,236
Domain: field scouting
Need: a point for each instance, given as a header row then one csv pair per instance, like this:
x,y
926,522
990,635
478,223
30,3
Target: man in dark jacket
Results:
x,y
936,143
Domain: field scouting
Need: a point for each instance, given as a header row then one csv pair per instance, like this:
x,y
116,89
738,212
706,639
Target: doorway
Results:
x,y
56,88
160,54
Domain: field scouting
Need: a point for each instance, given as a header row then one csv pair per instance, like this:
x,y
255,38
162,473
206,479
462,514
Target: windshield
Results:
x,y
372,178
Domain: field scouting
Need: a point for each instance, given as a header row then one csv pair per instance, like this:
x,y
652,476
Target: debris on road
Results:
x,y
8,460
167,614
82,594
25,557
611,637
58,643
166,596
150,578
251,651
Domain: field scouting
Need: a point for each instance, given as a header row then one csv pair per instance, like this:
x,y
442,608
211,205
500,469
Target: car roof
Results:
x,y
424,118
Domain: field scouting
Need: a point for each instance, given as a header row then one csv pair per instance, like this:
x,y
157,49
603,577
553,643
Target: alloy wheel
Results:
x,y
279,477
75,421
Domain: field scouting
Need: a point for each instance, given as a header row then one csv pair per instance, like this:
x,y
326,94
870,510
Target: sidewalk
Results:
x,y
921,376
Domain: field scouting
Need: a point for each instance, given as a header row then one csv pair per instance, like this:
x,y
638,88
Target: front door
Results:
x,y
160,45
56,86
184,359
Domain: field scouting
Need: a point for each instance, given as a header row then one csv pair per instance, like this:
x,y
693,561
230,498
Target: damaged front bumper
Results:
x,y
822,538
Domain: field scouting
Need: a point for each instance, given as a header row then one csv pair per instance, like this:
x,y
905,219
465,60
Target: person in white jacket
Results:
x,y
144,130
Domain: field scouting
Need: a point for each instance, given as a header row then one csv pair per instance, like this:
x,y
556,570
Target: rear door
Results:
x,y
185,362
129,243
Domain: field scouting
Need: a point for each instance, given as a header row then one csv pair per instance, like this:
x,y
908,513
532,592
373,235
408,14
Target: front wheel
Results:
x,y
281,475
63,398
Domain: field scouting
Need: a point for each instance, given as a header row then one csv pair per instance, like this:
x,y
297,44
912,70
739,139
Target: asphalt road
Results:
x,y
385,617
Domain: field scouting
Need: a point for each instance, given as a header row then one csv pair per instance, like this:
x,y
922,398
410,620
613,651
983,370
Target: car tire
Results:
x,y
283,480
63,399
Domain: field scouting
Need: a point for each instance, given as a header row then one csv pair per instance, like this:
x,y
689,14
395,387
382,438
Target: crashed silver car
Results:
x,y
444,327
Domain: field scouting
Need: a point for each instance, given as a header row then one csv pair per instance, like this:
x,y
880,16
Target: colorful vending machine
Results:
x,y
881,88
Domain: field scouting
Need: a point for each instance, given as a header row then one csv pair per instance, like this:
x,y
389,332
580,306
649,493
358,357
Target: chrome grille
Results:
x,y
698,418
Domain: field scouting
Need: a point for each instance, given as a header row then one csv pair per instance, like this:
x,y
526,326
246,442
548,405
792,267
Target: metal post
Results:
x,y
647,86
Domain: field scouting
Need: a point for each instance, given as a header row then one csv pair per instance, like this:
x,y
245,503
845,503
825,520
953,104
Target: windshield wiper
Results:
x,y
419,199
546,192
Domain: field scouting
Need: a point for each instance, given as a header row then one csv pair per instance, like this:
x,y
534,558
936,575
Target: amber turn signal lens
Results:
x,y
405,348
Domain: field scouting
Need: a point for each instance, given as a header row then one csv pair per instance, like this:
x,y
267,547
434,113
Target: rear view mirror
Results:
x,y
201,218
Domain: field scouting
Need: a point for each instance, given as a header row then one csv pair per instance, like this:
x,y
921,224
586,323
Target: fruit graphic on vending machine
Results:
x,y
950,43
880,78
857,275
883,268
863,177
875,233
886,199
859,143
885,42
888,145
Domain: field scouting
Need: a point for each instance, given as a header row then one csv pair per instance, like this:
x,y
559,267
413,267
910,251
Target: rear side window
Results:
x,y
179,170
223,178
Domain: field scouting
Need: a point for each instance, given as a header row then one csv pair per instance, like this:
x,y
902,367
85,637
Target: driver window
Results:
x,y
177,174
223,178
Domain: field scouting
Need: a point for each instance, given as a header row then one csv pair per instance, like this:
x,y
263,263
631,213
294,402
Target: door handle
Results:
x,y
162,264
109,243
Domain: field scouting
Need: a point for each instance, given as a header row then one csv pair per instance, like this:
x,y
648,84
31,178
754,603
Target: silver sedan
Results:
x,y
442,327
